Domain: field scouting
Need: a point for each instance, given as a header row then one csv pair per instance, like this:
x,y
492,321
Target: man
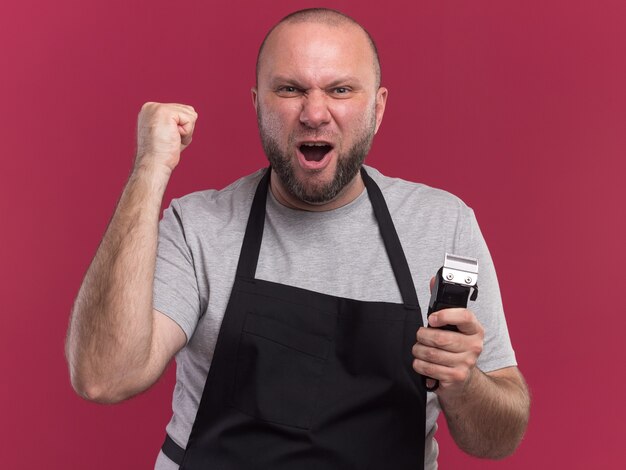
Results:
x,y
290,298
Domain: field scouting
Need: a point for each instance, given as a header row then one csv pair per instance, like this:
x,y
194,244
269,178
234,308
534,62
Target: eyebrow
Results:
x,y
347,79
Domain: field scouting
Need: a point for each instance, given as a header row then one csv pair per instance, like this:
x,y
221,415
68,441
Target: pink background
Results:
x,y
518,107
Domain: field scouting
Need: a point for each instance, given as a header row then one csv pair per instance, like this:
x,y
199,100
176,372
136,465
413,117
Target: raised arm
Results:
x,y
117,344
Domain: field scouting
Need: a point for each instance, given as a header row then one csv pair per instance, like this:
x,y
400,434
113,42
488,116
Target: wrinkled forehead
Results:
x,y
318,46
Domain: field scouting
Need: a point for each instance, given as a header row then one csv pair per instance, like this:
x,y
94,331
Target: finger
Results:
x,y
186,126
184,118
430,370
451,341
445,375
185,141
462,318
437,338
432,284
437,356
183,107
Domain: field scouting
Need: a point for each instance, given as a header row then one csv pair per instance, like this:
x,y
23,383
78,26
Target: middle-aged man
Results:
x,y
290,298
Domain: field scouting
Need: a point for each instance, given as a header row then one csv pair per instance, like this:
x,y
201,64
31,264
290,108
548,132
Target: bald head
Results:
x,y
327,17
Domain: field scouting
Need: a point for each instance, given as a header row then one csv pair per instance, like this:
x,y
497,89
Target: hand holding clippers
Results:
x,y
455,284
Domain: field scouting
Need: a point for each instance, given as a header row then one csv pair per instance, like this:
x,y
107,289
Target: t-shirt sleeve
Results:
x,y
497,349
176,291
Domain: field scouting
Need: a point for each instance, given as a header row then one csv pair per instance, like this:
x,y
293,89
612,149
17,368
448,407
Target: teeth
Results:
x,y
315,144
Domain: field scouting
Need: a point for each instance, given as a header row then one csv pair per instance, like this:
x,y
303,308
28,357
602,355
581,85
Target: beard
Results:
x,y
348,163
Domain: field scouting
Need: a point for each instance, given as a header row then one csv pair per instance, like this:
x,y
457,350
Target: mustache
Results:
x,y
312,134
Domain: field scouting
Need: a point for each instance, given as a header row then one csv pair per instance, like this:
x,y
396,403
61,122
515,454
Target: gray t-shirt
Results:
x,y
337,252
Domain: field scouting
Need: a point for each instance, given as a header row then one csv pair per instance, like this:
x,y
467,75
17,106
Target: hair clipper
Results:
x,y
455,284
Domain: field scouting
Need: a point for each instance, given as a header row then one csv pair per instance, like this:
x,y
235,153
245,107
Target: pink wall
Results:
x,y
518,107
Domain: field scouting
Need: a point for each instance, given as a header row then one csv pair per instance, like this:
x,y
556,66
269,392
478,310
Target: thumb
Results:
x,y
185,129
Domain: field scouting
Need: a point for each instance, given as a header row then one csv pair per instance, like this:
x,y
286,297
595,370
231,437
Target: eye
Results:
x,y
288,90
341,92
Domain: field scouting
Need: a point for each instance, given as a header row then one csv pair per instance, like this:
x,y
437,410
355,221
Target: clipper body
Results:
x,y
455,284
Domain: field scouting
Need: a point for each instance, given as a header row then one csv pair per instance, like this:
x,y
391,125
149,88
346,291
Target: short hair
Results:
x,y
325,16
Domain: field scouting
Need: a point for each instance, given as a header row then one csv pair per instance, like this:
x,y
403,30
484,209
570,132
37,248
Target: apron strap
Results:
x,y
251,247
172,450
392,243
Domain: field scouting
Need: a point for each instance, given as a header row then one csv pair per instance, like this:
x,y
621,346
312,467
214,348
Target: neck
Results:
x,y
348,194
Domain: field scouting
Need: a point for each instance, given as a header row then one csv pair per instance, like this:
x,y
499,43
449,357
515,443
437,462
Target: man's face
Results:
x,y
318,107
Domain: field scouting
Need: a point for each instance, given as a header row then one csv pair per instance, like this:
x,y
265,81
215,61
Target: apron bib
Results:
x,y
303,380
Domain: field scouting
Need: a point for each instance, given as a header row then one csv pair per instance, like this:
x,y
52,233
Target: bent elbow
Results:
x,y
501,452
97,391
89,383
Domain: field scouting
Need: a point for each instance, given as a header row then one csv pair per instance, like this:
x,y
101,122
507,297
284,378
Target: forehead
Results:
x,y
305,50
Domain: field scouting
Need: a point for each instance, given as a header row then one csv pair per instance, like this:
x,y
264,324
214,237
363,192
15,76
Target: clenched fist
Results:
x,y
163,132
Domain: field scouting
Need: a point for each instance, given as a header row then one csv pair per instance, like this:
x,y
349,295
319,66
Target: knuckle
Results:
x,y
431,354
150,107
477,348
459,374
481,331
162,110
468,362
439,338
435,334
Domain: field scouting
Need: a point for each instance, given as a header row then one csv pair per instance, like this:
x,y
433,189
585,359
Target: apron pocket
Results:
x,y
278,371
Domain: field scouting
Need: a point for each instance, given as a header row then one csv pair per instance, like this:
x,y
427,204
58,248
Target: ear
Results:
x,y
381,101
254,99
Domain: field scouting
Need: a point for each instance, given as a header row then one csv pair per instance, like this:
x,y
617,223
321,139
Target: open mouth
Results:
x,y
315,151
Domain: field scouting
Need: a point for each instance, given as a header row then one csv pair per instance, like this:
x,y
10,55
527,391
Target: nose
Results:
x,y
315,112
